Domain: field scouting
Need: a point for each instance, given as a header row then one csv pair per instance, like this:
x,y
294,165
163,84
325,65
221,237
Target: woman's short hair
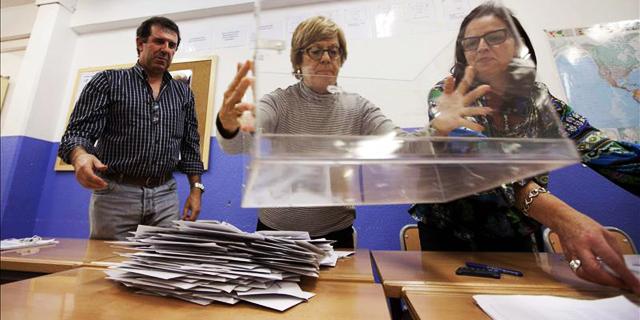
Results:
x,y
487,9
313,30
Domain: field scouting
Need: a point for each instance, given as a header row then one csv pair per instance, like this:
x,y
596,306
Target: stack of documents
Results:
x,y
35,241
207,261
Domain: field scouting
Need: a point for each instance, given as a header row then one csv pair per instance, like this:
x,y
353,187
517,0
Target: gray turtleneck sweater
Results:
x,y
299,110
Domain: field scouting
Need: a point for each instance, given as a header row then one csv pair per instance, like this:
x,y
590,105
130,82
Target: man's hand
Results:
x,y
231,112
85,166
192,205
453,105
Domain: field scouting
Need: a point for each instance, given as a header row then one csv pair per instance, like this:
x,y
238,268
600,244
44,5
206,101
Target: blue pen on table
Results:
x,y
494,268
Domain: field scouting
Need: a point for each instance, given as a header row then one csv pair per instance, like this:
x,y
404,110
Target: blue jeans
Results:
x,y
119,208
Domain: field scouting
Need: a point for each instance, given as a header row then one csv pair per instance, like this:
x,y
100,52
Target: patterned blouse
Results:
x,y
493,214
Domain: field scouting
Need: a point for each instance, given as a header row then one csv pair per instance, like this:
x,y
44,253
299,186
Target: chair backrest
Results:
x,y
355,237
624,240
409,238
625,243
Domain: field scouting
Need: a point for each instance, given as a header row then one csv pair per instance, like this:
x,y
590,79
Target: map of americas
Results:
x,y
600,70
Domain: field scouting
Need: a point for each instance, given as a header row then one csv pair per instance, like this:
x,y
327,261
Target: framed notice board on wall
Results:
x,y
4,87
199,74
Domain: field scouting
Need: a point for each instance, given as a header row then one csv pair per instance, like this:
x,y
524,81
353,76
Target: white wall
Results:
x,y
15,27
116,20
17,21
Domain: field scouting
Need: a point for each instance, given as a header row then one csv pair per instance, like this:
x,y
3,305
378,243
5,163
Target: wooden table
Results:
x,y
67,254
442,302
84,293
411,269
356,267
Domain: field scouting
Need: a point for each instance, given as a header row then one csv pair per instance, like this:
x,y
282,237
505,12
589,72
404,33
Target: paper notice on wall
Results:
x,y
272,34
197,42
85,77
237,36
456,10
421,10
357,23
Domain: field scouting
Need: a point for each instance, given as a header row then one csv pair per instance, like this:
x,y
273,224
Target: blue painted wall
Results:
x,y
38,200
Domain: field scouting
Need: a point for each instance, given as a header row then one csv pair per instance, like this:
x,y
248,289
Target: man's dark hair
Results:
x,y
487,9
144,30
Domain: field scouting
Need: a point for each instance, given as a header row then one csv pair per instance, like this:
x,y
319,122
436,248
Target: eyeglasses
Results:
x,y
492,38
316,53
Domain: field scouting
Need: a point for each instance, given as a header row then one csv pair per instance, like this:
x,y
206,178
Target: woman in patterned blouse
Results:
x,y
496,96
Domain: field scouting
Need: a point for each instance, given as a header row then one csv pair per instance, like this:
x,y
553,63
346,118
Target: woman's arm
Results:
x,y
581,237
618,161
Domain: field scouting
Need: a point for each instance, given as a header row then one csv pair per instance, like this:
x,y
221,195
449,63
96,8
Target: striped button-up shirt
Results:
x,y
117,119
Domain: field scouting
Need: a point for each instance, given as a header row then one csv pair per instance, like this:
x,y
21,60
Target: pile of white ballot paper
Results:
x,y
207,261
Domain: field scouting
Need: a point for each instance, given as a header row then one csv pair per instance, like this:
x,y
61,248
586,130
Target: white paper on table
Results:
x,y
343,254
35,241
224,234
297,235
208,256
329,260
332,257
210,224
633,263
153,273
283,249
219,286
277,302
217,297
284,288
533,307
143,229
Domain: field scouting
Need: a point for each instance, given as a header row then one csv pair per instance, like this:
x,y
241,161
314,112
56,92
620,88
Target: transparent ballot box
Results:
x,y
355,120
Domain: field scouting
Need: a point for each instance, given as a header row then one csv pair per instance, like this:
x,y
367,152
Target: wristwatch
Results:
x,y
199,186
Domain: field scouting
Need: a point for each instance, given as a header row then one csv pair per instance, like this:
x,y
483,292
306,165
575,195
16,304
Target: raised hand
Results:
x,y
453,105
232,110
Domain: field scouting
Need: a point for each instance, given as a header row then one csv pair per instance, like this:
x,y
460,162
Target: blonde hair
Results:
x,y
313,30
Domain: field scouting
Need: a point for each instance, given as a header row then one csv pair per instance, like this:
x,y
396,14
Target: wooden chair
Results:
x,y
552,241
355,237
409,238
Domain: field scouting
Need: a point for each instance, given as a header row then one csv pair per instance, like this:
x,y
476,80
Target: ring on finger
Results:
x,y
575,264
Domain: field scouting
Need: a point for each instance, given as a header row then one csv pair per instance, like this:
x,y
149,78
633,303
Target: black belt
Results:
x,y
148,182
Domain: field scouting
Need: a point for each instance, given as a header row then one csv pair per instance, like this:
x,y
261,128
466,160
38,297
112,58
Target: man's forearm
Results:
x,y
193,179
75,153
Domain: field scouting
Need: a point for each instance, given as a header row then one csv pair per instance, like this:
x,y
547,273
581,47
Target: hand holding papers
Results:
x,y
207,261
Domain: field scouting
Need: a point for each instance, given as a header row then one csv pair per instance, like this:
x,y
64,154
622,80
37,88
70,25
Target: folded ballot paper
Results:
x,y
35,241
210,261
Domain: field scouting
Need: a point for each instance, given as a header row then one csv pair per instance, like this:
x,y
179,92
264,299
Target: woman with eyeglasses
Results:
x,y
493,93
318,51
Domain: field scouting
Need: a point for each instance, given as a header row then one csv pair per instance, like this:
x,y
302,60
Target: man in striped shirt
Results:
x,y
128,132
